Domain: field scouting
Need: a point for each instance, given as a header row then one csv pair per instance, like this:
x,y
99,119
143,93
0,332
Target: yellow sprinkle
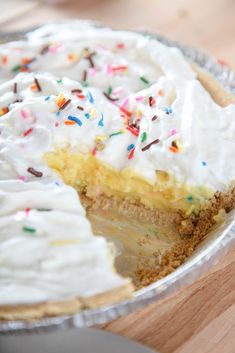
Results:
x,y
101,138
93,112
122,130
62,242
60,100
139,113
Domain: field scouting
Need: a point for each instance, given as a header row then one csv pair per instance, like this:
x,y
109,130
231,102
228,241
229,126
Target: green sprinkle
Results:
x,y
29,230
143,137
190,198
109,91
16,68
59,81
116,133
143,79
84,84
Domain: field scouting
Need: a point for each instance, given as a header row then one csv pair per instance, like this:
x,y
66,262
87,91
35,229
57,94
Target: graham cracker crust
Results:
x,y
191,231
67,307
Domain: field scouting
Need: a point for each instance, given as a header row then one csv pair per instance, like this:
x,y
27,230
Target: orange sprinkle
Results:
x,y
34,87
161,92
5,59
69,122
173,149
26,61
60,100
72,56
4,111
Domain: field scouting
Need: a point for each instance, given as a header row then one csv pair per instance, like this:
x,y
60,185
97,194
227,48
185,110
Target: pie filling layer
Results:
x,y
120,123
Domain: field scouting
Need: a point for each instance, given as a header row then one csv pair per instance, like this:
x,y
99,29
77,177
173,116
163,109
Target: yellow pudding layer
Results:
x,y
89,175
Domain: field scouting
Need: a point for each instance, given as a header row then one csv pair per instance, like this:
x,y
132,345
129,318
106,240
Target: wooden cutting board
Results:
x,y
201,317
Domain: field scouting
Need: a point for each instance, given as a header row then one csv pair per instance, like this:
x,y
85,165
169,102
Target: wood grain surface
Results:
x,y
201,317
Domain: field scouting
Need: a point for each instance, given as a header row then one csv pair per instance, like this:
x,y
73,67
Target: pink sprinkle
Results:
x,y
138,99
173,132
27,210
24,114
120,45
92,71
22,178
55,47
56,124
109,69
117,91
124,103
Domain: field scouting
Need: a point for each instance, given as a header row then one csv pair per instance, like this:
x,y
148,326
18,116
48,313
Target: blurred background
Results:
x,y
208,24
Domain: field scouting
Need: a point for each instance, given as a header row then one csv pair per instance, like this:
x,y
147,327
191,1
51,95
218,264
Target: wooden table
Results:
x,y
200,318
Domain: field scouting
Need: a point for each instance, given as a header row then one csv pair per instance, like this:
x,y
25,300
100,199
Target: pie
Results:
x,y
104,122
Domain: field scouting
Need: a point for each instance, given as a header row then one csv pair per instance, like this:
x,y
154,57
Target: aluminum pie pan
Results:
x,y
208,253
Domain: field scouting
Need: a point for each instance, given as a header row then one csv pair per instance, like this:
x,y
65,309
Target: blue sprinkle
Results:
x,y
47,98
204,163
58,113
130,147
168,110
101,122
74,118
87,115
89,97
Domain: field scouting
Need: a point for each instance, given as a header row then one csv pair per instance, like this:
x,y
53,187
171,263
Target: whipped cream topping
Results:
x,y
139,98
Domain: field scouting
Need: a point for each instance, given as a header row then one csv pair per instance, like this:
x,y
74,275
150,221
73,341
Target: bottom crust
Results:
x,y
37,311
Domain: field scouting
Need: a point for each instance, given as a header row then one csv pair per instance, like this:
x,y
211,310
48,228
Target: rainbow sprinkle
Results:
x,y
143,79
143,137
168,110
116,133
130,147
27,132
75,119
4,111
101,121
90,97
131,154
29,230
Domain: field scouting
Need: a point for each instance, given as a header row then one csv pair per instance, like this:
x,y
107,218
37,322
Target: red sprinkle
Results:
x,y
119,68
152,101
131,154
81,96
93,152
133,130
125,111
27,132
